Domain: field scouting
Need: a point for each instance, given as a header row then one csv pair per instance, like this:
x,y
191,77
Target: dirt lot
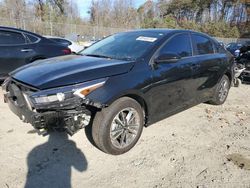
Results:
x,y
206,146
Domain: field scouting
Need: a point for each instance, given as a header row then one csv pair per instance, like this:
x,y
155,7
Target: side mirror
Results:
x,y
168,57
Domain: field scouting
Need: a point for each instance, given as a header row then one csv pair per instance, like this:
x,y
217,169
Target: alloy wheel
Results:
x,y
124,127
223,91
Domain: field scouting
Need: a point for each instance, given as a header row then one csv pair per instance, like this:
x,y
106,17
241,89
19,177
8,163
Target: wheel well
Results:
x,y
143,104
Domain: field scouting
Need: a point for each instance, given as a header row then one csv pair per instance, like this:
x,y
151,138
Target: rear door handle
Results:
x,y
26,50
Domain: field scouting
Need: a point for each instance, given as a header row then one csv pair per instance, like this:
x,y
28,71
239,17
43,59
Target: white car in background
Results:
x,y
89,43
75,48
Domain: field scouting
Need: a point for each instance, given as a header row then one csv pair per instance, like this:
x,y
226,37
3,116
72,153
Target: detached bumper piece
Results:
x,y
70,116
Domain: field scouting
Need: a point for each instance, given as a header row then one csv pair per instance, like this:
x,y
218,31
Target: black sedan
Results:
x,y
233,46
119,85
19,47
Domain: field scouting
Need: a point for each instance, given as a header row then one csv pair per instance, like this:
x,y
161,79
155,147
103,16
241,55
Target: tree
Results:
x,y
113,13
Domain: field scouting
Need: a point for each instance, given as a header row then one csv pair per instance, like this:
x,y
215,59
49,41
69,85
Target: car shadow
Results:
x,y
50,164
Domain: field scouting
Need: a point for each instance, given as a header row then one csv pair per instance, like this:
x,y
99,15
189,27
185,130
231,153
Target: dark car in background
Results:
x,y
244,59
120,84
233,46
19,47
74,47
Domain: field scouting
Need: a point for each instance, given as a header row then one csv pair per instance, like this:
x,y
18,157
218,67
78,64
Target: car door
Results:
x,y
14,51
209,66
172,82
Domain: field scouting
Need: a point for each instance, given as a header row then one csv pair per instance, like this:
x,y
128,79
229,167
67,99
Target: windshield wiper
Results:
x,y
108,57
97,55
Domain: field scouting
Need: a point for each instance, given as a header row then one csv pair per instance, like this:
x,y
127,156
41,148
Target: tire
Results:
x,y
221,91
124,117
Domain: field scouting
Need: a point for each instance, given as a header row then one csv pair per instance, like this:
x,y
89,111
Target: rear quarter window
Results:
x,y
32,38
202,45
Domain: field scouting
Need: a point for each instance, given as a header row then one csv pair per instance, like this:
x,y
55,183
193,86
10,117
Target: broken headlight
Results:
x,y
63,93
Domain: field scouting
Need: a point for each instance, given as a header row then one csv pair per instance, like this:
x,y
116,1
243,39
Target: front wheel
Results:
x,y
221,91
117,128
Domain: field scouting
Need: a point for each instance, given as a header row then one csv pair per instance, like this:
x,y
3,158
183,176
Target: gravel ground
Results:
x,y
205,146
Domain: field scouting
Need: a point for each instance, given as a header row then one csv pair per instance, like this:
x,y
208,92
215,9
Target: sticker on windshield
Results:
x,y
146,39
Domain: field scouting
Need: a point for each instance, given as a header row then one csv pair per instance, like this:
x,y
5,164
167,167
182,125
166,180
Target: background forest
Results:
x,y
221,18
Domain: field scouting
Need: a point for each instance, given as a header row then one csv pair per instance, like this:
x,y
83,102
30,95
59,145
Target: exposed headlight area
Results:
x,y
51,98
62,94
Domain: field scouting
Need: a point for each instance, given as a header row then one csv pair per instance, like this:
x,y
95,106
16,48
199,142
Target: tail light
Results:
x,y
66,51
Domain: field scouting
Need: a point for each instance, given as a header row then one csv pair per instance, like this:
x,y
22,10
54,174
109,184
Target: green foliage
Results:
x,y
217,29
170,22
191,25
220,29
150,23
209,16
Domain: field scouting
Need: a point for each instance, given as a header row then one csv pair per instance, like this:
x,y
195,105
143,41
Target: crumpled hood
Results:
x,y
68,70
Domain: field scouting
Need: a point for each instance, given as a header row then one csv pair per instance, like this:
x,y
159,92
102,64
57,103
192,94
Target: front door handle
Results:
x,y
26,50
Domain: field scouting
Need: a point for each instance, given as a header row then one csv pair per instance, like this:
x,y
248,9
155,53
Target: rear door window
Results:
x,y
202,45
11,38
179,44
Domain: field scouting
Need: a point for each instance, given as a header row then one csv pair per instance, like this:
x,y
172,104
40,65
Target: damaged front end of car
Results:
x,y
63,108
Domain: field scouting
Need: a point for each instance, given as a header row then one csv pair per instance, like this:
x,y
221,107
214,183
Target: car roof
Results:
x,y
19,30
235,44
167,31
163,30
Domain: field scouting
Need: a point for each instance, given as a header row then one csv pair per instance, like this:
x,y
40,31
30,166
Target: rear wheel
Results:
x,y
222,91
117,128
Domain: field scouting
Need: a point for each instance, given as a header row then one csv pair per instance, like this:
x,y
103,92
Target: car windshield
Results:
x,y
124,46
